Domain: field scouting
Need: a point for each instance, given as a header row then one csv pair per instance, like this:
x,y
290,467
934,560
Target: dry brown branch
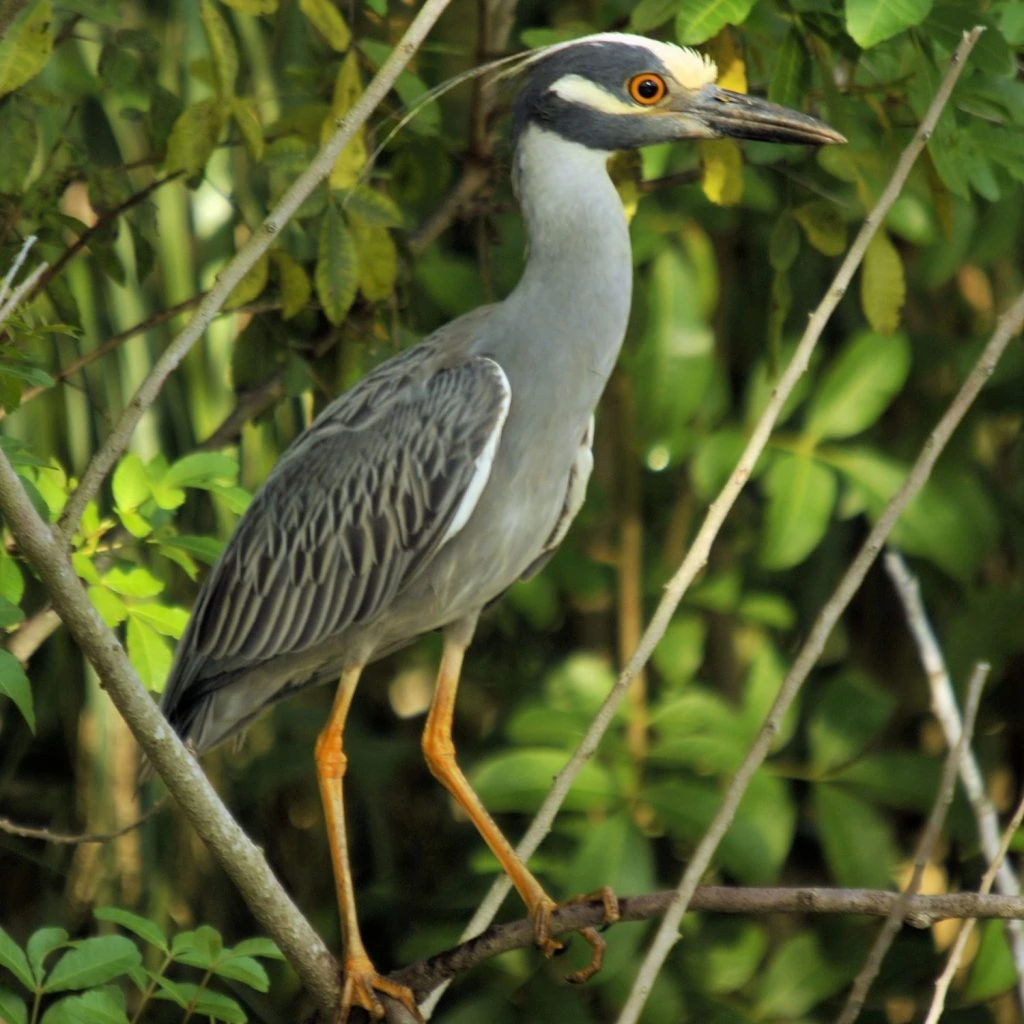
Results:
x,y
48,835
925,847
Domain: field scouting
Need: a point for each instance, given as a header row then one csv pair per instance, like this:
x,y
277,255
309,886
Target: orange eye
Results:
x,y
647,88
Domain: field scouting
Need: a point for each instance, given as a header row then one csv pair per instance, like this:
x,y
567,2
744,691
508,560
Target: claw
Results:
x,y
540,914
360,986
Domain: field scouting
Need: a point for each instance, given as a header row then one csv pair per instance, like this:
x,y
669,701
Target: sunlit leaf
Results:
x,y
871,21
26,46
112,609
296,288
222,46
348,87
520,779
722,180
883,288
253,7
92,962
12,581
149,653
246,116
327,20
98,1006
169,621
194,136
138,925
823,225
378,260
699,20
648,14
253,282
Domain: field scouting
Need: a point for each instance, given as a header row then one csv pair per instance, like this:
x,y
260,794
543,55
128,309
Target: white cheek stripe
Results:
x,y
484,461
580,90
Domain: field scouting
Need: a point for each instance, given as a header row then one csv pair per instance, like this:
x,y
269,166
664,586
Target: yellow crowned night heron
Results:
x,y
454,469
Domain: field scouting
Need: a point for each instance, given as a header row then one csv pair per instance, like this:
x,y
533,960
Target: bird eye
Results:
x,y
647,88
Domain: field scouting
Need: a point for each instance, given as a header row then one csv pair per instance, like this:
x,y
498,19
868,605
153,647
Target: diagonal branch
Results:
x,y
946,711
926,845
719,509
259,242
1009,325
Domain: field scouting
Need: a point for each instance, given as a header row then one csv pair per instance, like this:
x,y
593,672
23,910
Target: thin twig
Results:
x,y
1008,326
946,711
20,292
956,954
12,271
260,240
719,509
925,847
32,634
77,838
921,912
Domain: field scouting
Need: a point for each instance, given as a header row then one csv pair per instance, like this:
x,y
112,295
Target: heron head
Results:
x,y
616,91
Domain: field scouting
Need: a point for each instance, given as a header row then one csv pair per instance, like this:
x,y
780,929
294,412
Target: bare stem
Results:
x,y
925,847
946,711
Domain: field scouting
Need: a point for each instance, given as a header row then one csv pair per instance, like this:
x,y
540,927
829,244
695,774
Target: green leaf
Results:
x,y
883,288
112,609
12,957
728,954
373,207
149,653
648,14
10,614
246,116
142,926
130,483
992,970
207,1003
823,224
99,1006
13,1009
253,7
40,945
378,261
857,840
327,20
26,46
337,266
201,469
206,549
295,287
132,582
20,132
520,779
681,650
904,780
788,83
12,582
251,287
93,962
613,853
244,969
849,715
797,977
858,387
801,495
871,21
14,684
194,137
222,46
699,20
784,244
258,946
199,948
169,621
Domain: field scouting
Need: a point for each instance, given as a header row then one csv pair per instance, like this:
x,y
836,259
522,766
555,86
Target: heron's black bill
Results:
x,y
737,116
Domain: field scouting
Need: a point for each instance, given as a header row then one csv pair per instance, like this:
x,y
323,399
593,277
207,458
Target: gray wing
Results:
x,y
388,472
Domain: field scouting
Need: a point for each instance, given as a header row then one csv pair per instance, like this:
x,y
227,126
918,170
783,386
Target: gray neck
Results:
x,y
575,291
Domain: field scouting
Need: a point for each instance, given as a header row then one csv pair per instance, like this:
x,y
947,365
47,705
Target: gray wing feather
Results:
x,y
348,516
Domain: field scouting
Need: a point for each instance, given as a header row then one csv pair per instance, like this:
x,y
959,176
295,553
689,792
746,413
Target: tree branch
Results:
x,y
946,711
259,242
926,845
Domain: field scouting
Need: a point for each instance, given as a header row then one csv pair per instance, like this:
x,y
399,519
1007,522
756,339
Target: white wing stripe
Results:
x,y
483,462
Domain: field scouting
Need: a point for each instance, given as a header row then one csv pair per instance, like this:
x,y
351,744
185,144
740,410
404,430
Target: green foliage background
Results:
x,y
161,136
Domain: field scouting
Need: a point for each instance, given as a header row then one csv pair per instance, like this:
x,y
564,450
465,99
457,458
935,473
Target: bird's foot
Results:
x,y
360,985
541,911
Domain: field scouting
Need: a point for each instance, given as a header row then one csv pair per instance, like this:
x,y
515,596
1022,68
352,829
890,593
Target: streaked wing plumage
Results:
x,y
348,516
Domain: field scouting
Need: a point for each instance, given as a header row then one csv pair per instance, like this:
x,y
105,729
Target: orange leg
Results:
x,y
361,981
439,751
